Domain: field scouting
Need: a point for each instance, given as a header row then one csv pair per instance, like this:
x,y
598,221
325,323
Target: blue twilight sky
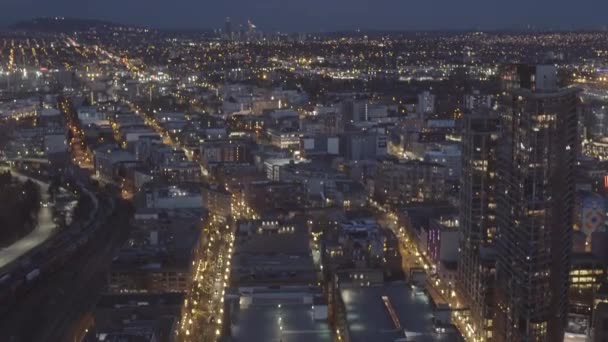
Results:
x,y
324,15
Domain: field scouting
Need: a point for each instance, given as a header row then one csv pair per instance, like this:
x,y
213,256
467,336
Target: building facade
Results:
x,y
409,181
476,266
536,189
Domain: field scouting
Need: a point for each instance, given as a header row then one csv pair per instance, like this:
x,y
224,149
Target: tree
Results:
x,y
19,205
54,188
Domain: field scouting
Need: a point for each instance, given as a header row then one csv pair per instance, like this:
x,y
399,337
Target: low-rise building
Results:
x,y
182,196
360,145
135,317
214,152
284,138
105,158
587,274
217,200
402,182
276,314
158,255
262,260
449,156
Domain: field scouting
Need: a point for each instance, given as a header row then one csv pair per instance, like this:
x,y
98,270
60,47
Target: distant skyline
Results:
x,y
323,15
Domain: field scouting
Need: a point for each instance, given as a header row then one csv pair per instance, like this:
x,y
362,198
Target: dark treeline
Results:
x,y
19,205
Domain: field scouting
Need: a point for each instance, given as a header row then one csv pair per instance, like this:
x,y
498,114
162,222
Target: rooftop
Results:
x,y
260,323
369,319
286,315
272,259
135,317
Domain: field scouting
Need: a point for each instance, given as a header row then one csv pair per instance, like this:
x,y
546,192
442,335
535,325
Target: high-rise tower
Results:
x,y
228,28
476,266
536,162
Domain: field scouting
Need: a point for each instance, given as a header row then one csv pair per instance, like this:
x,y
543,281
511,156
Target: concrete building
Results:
x,y
388,313
215,152
217,200
426,104
477,101
596,149
284,138
266,260
442,240
267,196
276,314
319,145
409,181
90,115
587,274
180,172
363,145
106,157
55,142
449,156
135,317
158,256
172,197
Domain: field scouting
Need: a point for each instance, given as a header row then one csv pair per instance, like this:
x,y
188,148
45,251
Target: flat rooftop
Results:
x,y
119,301
273,244
288,323
272,259
369,319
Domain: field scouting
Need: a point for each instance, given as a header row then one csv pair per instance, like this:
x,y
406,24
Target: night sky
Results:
x,y
324,15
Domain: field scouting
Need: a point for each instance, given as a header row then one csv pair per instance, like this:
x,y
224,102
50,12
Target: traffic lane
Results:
x,y
44,229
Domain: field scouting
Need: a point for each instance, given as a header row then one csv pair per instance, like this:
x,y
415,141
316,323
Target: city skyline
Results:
x,y
249,185
317,16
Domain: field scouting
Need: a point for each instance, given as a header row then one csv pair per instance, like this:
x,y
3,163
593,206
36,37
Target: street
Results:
x,y
203,311
442,293
43,230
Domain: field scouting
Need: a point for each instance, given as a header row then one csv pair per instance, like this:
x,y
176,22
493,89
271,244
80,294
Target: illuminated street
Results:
x,y
203,309
304,172
43,230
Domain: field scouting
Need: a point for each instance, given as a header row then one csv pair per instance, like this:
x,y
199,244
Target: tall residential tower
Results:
x,y
536,162
476,266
